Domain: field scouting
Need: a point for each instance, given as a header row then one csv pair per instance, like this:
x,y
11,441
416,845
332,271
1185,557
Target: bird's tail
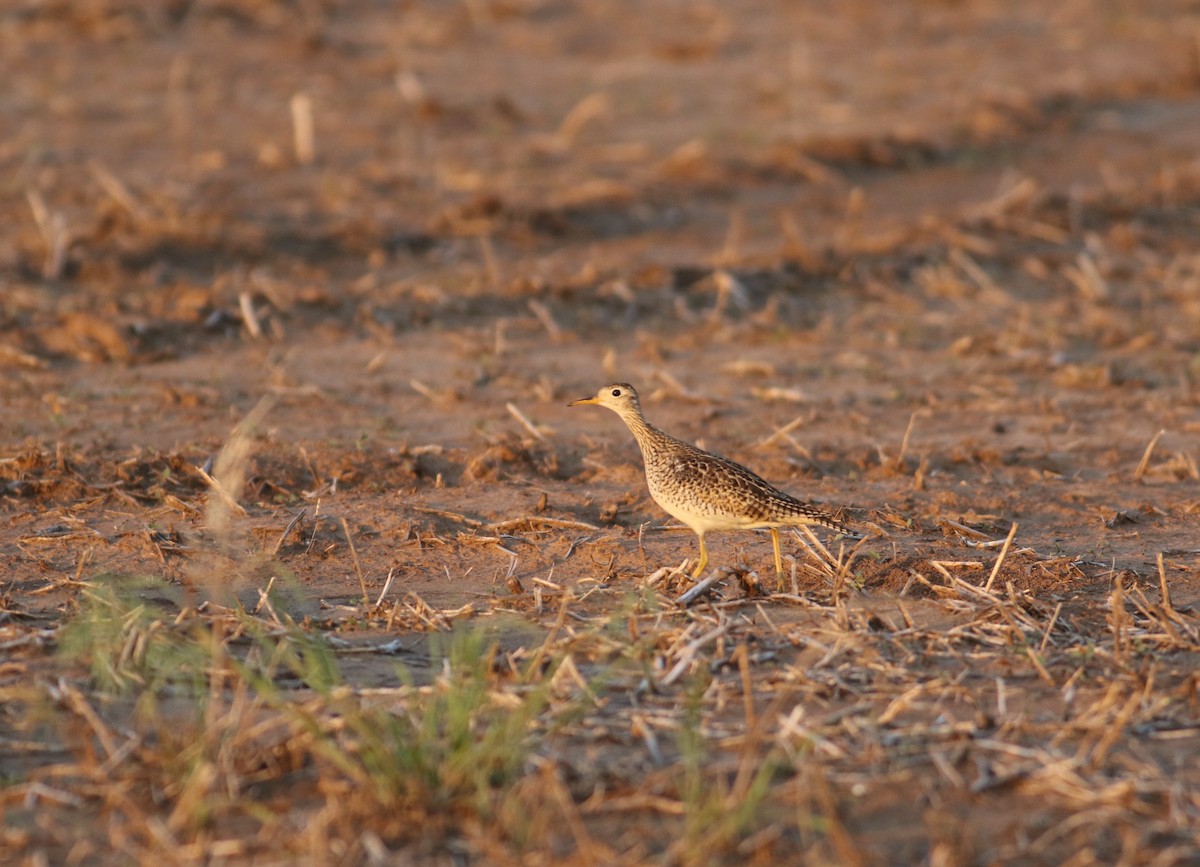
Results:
x,y
813,515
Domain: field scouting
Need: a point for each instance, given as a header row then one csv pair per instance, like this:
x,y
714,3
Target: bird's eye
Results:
x,y
616,392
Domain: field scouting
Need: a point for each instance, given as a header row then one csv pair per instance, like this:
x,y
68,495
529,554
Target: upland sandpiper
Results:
x,y
703,490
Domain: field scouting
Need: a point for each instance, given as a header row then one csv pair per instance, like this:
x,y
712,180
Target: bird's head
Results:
x,y
620,397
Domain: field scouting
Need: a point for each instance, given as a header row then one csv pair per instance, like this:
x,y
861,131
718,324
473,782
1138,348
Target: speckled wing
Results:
x,y
708,486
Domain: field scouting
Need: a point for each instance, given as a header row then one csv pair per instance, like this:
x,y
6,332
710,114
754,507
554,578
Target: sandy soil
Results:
x,y
933,263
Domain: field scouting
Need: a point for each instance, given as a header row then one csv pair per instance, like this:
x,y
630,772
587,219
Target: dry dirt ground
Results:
x,y
305,560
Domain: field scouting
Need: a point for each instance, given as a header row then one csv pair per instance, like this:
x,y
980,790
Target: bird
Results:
x,y
706,491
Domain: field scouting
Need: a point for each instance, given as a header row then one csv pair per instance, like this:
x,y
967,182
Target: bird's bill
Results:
x,y
583,400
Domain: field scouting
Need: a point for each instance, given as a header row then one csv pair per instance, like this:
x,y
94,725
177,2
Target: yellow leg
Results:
x,y
703,559
778,559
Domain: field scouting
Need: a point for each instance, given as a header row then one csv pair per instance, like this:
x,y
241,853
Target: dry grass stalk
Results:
x,y
1050,628
303,129
546,318
433,395
748,368
74,700
775,394
288,530
687,655
453,516
971,268
852,222
1012,532
1118,619
117,190
730,292
362,581
1043,673
1015,193
249,315
524,421
1144,463
535,666
54,232
491,266
912,421
12,355
588,110
970,532
782,433
1087,279
822,562
387,585
742,655
678,388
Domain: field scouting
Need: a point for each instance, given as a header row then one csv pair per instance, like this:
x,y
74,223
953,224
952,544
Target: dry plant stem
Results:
x,y
362,582
249,315
743,660
546,318
490,264
303,129
445,513
536,664
288,529
1164,588
586,846
1012,531
912,421
1117,619
688,654
848,852
387,585
836,569
264,594
229,469
591,107
216,671
76,702
964,529
117,190
524,421
1144,463
782,432
53,229
1043,673
1050,628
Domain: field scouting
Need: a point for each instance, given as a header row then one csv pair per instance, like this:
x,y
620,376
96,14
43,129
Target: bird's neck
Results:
x,y
644,432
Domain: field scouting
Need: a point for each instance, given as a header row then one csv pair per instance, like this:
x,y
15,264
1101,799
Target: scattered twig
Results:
x,y
703,586
453,516
532,521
